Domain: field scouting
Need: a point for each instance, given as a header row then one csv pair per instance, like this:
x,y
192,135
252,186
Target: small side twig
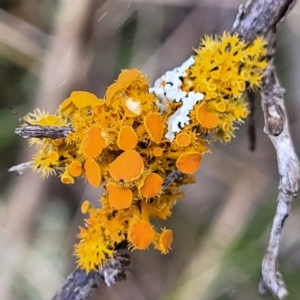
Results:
x,y
36,131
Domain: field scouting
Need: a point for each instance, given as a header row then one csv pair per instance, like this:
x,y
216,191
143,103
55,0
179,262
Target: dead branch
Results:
x,y
261,18
36,131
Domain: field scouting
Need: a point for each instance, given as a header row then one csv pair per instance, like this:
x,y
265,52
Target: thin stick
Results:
x,y
35,131
262,17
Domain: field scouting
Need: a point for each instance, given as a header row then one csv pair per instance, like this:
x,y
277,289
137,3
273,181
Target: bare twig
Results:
x,y
36,131
276,126
262,17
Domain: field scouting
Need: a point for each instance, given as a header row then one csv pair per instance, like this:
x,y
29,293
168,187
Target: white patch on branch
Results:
x,y
168,88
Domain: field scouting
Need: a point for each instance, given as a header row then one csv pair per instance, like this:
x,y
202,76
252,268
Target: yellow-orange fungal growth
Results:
x,y
75,168
83,99
57,141
119,197
244,113
128,166
211,87
227,138
154,126
127,77
111,91
221,106
206,119
92,172
127,138
183,140
67,107
240,112
66,178
225,126
158,152
92,250
245,75
241,86
85,206
152,185
140,234
189,162
123,141
165,241
94,142
53,156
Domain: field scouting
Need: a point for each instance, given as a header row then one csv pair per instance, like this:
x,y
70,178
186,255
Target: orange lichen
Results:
x,y
133,140
111,91
53,156
75,168
85,206
92,172
183,140
205,118
158,152
155,127
189,162
94,142
66,178
152,185
140,234
165,241
127,138
82,99
127,77
221,106
119,197
58,141
127,167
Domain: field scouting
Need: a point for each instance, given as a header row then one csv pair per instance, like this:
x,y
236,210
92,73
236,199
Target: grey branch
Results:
x,y
261,17
80,285
36,131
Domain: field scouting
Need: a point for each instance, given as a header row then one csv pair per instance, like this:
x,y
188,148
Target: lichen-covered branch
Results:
x,y
80,285
262,17
186,104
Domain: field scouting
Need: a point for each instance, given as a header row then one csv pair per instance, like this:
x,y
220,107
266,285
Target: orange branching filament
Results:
x,y
123,141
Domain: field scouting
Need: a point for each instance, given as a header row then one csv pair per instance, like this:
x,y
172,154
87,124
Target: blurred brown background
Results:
x,y
49,48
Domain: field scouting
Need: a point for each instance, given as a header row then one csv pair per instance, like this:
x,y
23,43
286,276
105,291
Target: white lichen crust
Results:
x,y
168,88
